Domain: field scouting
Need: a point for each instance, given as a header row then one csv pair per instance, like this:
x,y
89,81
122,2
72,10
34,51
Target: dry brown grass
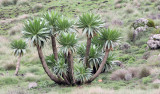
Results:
x,y
19,18
122,74
38,7
16,29
119,74
133,71
144,72
10,66
6,2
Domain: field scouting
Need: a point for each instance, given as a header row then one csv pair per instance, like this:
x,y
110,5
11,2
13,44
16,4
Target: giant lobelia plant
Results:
x,y
65,68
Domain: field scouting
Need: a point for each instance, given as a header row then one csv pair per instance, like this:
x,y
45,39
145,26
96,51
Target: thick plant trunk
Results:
x,y
65,79
45,67
87,51
71,68
18,66
54,48
100,68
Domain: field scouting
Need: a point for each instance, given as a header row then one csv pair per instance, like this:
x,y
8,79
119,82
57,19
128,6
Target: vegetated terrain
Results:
x,y
118,14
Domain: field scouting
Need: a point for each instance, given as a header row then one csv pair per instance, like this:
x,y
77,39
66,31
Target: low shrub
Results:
x,y
129,11
119,1
156,31
133,71
45,83
146,80
155,86
144,72
151,23
15,2
130,36
153,60
37,7
2,69
6,2
15,29
121,74
126,58
10,66
8,81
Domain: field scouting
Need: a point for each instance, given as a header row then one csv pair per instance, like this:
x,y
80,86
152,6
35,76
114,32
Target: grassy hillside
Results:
x,y
117,14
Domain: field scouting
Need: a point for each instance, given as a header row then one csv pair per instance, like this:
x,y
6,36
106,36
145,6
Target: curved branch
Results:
x,y
100,68
45,67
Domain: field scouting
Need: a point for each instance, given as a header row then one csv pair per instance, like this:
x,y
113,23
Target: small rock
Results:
x,y
32,85
154,41
118,63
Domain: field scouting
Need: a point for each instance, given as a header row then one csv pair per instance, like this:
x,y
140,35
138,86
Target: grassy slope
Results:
x,y
71,8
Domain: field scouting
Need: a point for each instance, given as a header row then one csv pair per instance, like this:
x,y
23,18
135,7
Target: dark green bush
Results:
x,y
146,80
126,58
151,23
6,2
144,72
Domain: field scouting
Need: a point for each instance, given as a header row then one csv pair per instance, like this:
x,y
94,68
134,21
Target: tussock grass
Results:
x,y
10,66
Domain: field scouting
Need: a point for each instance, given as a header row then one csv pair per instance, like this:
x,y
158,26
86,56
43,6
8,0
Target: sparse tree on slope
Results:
x,y
19,47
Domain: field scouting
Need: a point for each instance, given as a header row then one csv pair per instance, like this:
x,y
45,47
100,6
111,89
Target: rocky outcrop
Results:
x,y
32,85
139,25
118,63
154,41
124,46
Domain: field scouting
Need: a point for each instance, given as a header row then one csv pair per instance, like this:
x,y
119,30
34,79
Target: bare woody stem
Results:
x,y
87,51
71,68
54,48
46,69
18,65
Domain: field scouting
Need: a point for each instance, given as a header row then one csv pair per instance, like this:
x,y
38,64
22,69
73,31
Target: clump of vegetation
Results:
x,y
6,2
10,66
15,29
151,23
156,31
129,10
119,74
130,36
37,7
15,2
146,80
144,72
133,71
